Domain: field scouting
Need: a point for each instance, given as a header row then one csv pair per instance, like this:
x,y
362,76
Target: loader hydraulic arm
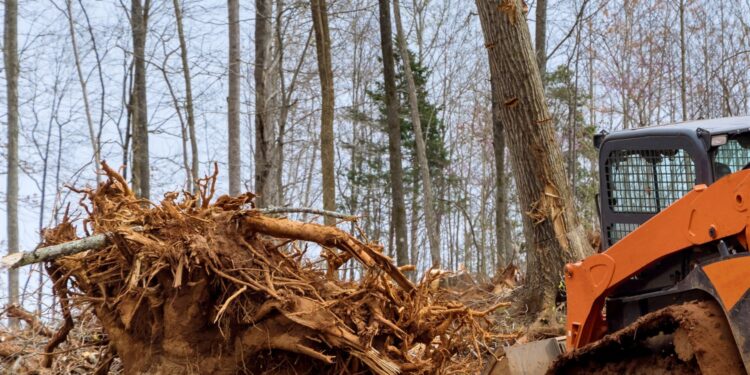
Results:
x,y
704,215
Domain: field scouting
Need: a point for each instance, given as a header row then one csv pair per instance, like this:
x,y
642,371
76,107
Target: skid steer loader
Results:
x,y
669,290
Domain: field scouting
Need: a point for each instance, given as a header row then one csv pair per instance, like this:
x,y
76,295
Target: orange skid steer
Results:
x,y
669,291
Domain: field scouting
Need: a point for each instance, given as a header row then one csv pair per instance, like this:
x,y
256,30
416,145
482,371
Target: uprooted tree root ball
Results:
x,y
192,285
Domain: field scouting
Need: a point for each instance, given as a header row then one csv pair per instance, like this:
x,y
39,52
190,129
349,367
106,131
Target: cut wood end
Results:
x,y
10,261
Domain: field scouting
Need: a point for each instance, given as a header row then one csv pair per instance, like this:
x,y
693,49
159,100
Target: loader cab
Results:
x,y
644,170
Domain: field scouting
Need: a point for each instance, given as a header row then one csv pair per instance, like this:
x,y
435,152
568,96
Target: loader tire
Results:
x,y
693,338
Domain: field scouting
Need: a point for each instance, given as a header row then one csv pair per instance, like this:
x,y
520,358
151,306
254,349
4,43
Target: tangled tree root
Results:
x,y
215,287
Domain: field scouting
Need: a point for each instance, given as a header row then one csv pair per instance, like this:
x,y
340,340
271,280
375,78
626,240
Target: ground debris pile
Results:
x,y
202,286
85,351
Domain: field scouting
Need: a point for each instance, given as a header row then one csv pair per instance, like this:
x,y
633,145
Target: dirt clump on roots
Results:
x,y
196,285
692,338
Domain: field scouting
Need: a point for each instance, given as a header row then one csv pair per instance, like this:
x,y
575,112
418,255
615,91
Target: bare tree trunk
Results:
x,y
100,74
138,105
553,234
501,190
235,160
190,183
264,125
45,174
194,163
683,58
325,71
10,55
398,207
84,90
625,56
573,121
414,226
592,92
540,41
484,192
284,96
433,234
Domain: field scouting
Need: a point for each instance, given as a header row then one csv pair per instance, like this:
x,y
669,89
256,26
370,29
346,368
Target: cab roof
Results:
x,y
713,126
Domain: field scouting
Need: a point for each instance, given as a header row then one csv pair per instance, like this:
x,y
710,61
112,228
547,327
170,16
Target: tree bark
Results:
x,y
398,214
502,242
138,105
540,41
325,71
188,99
433,234
265,130
49,253
233,105
552,231
10,55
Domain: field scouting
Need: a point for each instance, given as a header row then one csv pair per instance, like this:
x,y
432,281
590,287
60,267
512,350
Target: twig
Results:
x,y
15,311
228,301
308,210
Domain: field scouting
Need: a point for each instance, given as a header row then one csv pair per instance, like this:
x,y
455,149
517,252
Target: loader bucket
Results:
x,y
533,358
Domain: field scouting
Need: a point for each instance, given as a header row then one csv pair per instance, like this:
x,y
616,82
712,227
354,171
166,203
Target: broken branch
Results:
x,y
308,210
48,253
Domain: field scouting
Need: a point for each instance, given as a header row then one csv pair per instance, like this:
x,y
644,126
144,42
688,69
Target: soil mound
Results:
x,y
693,338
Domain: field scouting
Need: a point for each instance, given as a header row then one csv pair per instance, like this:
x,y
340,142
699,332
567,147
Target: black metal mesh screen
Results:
x,y
730,158
647,181
619,230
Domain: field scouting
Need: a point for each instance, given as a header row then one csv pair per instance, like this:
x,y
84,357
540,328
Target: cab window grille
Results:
x,y
647,181
618,231
730,158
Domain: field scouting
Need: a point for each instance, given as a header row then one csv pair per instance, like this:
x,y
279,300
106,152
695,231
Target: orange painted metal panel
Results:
x,y
731,279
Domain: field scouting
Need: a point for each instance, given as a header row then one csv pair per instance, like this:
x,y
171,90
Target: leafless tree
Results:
x,y
398,209
93,136
139,14
540,42
325,72
10,57
194,163
233,99
433,234
266,163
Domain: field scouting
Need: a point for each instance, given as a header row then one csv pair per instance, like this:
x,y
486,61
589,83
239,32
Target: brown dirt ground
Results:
x,y
693,338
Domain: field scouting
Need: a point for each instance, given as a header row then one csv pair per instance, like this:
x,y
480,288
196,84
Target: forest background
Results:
x,y
93,77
